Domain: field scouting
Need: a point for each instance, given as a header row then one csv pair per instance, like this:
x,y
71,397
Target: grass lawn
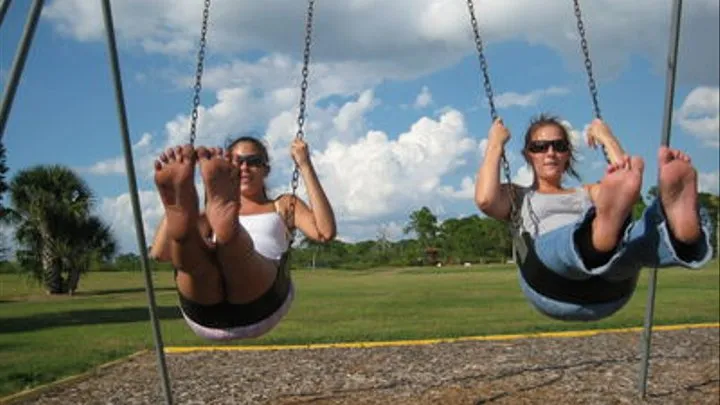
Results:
x,y
45,338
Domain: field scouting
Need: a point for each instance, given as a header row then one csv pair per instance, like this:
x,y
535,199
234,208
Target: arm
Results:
x,y
600,133
491,197
160,249
316,221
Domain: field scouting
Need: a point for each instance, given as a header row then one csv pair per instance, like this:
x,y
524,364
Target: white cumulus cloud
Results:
x,y
349,121
466,191
530,99
116,165
369,174
117,212
377,176
423,99
709,182
371,177
407,38
699,115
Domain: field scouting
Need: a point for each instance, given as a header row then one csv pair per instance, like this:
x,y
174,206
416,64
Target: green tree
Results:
x,y
475,239
4,248
382,245
314,247
461,239
57,236
128,262
712,204
3,171
425,225
498,240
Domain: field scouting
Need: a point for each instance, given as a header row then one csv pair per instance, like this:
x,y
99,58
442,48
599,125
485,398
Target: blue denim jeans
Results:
x,y
646,242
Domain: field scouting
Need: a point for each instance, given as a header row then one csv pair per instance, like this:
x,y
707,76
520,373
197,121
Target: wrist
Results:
x,y
605,138
494,147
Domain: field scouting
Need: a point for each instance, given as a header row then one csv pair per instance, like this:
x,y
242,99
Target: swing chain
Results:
x,y
301,115
588,67
514,212
199,72
588,62
483,61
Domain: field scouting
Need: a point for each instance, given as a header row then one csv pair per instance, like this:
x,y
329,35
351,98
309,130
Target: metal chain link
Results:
x,y
533,216
199,72
588,66
301,115
514,212
588,62
483,61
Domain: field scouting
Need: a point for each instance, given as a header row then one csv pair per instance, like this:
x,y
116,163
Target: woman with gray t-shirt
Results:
x,y
586,234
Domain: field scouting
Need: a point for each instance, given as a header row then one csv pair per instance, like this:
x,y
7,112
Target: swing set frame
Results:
x,y
522,245
24,47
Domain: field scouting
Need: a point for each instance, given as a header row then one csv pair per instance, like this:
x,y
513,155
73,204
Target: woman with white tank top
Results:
x,y
229,259
587,233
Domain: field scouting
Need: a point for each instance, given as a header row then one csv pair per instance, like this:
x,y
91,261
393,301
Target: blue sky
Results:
x,y
397,118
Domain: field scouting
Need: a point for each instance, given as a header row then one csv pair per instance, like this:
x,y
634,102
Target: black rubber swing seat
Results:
x,y
593,290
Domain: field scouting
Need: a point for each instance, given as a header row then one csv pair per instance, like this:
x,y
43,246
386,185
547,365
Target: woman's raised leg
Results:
x,y
198,276
247,274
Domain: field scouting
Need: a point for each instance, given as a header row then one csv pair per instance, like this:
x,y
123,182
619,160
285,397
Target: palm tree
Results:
x,y
58,237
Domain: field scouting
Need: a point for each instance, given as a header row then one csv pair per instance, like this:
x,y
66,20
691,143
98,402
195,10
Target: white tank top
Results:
x,y
551,211
268,233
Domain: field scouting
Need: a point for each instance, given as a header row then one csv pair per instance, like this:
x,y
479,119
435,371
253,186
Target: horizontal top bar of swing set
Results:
x,y
359,345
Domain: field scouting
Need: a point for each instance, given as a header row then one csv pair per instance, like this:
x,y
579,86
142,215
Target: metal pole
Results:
x,y
4,4
132,184
667,123
19,62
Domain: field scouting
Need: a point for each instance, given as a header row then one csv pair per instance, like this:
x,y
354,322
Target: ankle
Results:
x,y
191,238
605,236
227,236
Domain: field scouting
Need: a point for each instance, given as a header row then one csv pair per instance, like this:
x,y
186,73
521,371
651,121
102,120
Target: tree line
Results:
x,y
471,239
429,242
58,239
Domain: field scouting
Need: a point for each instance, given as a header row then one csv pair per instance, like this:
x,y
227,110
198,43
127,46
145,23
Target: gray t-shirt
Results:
x,y
551,211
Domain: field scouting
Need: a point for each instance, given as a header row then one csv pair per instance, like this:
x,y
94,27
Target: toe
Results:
x,y
188,152
637,163
203,152
170,153
179,154
665,154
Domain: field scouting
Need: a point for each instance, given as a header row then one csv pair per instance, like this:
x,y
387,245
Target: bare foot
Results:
x,y
678,194
619,190
174,178
222,189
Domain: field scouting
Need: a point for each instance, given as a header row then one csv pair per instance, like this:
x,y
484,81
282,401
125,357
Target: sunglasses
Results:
x,y
251,160
558,145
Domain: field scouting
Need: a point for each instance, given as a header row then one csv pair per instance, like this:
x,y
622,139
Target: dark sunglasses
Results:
x,y
558,145
251,160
